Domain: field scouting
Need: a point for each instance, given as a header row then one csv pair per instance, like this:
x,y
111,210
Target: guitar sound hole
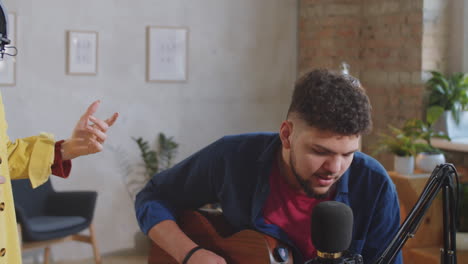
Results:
x,y
281,254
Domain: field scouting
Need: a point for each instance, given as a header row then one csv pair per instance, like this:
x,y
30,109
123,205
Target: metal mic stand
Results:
x,y
441,178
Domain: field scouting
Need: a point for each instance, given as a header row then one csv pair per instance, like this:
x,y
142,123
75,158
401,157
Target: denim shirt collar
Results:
x,y
269,153
265,162
342,188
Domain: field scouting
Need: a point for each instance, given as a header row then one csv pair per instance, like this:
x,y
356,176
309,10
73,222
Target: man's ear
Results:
x,y
285,133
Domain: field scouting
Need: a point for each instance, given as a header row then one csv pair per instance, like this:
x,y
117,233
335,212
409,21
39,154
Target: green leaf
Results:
x,y
161,158
438,88
150,157
434,113
167,150
448,92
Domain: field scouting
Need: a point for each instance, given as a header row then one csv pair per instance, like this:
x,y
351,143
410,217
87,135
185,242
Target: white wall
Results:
x,y
242,64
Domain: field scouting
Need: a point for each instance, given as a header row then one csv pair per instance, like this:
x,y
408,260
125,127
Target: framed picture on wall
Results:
x,y
167,54
8,63
82,48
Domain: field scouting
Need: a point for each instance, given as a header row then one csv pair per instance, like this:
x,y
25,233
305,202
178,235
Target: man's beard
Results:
x,y
306,183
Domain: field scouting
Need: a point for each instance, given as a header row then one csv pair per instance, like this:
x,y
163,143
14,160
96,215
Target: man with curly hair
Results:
x,y
271,182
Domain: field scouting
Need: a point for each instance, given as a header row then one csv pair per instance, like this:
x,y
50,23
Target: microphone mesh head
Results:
x,y
332,227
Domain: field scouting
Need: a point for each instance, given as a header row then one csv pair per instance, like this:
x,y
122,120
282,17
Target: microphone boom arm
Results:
x,y
441,178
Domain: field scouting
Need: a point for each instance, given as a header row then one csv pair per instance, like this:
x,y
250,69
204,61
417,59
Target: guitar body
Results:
x,y
212,232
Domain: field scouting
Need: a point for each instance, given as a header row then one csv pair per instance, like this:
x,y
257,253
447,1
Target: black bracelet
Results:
x,y
190,253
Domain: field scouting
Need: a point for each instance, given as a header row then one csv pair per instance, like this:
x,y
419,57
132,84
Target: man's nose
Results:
x,y
333,165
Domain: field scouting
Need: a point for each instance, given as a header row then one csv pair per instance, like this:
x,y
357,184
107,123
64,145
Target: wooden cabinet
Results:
x,y
424,248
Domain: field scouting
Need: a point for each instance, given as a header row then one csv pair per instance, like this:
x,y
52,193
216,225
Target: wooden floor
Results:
x,y
110,260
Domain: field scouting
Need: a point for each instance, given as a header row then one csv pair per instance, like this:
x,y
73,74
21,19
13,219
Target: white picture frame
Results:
x,y
82,52
8,64
167,53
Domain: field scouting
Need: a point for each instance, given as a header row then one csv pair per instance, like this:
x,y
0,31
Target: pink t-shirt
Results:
x,y
291,211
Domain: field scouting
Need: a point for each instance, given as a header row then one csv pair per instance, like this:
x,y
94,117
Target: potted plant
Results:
x,y
428,156
414,138
448,103
155,158
403,146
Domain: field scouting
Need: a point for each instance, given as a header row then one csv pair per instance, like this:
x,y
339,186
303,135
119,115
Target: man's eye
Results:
x,y
321,153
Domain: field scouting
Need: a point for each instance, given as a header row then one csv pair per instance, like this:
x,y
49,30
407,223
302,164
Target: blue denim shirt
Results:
x,y
234,171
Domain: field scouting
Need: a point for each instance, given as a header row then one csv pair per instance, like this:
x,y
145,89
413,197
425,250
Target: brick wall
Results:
x,y
391,40
329,34
388,43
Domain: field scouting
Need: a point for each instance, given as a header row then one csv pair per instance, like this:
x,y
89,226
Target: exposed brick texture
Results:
x,y
329,33
388,44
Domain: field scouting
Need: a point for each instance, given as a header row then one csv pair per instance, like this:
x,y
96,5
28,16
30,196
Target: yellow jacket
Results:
x,y
29,157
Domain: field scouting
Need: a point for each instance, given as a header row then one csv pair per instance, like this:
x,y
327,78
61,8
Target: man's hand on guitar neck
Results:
x,y
169,237
205,256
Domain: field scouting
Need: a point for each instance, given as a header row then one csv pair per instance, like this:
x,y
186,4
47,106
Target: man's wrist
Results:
x,y
190,253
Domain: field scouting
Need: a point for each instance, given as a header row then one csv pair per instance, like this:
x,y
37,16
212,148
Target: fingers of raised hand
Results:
x,y
89,112
102,125
2,179
94,145
97,134
110,121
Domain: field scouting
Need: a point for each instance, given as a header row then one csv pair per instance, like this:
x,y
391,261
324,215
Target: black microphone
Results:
x,y
332,228
3,30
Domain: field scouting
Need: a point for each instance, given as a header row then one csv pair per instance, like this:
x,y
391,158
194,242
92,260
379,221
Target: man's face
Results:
x,y
316,159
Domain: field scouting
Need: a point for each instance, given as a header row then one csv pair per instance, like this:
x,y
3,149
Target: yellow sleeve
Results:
x,y
32,158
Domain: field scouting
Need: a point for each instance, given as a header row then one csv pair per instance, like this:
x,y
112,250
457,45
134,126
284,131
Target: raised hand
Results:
x,y
87,138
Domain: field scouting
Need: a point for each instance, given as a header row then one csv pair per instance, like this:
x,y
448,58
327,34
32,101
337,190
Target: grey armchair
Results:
x,y
47,217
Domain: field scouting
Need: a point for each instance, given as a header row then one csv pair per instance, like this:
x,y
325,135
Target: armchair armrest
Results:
x,y
21,216
22,219
72,204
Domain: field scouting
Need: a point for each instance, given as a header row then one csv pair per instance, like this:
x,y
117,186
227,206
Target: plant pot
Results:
x,y
447,124
404,165
427,162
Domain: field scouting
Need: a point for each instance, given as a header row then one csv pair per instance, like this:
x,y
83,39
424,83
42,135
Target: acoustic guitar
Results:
x,y
211,231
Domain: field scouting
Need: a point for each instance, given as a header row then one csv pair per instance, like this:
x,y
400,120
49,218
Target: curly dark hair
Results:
x,y
332,101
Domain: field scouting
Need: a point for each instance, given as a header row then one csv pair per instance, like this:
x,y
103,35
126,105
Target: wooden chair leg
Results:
x,y
46,255
20,236
97,256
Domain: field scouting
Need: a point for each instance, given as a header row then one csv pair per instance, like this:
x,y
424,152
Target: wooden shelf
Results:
x,y
457,144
